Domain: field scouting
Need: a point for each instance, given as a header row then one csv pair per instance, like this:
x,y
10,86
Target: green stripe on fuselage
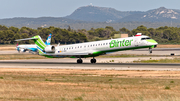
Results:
x,y
122,49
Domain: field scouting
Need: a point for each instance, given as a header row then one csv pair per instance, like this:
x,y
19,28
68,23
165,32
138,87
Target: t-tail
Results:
x,y
48,41
41,46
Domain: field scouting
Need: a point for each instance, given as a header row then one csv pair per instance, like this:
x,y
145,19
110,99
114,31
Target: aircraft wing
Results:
x,y
25,39
67,54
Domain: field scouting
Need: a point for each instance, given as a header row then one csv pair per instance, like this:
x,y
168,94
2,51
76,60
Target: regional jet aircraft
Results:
x,y
93,49
32,48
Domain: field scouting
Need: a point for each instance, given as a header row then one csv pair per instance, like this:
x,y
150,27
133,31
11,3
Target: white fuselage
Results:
x,y
105,45
24,48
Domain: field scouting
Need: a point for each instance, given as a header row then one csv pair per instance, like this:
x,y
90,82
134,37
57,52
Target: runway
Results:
x,y
156,51
57,64
102,63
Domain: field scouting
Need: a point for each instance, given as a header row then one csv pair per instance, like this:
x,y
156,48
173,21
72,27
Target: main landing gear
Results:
x,y
93,60
80,61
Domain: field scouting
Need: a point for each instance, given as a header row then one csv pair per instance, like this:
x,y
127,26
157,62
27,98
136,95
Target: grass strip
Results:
x,y
89,85
175,60
20,56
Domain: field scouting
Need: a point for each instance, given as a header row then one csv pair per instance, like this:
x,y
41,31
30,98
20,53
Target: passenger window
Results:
x,y
148,38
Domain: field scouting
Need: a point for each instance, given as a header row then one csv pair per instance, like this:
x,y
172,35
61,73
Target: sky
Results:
x,y
61,8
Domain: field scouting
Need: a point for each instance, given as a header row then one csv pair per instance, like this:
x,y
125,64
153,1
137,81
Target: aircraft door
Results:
x,y
136,42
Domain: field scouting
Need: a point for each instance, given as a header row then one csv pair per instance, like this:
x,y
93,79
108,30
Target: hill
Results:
x,y
99,14
87,17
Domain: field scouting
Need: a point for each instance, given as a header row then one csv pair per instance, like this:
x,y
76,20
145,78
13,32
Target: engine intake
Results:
x,y
49,49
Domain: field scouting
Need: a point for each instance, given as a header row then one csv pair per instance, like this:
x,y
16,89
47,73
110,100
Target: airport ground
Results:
x,y
19,84
110,79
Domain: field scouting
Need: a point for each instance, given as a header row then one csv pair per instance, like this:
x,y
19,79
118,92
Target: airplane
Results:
x,y
32,48
93,49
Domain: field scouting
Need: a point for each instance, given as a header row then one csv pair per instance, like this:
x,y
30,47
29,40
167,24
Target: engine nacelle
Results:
x,y
49,49
22,50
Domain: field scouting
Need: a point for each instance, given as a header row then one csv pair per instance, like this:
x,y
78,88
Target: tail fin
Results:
x,y
48,41
38,41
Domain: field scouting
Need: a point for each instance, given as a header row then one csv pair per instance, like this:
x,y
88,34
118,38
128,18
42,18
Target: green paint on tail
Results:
x,y
40,43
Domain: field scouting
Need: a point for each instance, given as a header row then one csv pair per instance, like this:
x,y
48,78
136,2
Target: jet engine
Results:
x,y
49,49
22,50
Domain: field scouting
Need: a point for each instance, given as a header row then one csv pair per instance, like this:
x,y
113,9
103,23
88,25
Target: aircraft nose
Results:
x,y
152,41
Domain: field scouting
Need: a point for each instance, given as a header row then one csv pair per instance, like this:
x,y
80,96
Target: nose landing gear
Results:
x,y
150,50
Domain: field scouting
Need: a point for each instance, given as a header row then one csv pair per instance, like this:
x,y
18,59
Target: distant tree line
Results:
x,y
164,35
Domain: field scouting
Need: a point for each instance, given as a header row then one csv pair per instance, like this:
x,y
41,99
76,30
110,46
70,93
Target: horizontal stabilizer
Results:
x,y
25,39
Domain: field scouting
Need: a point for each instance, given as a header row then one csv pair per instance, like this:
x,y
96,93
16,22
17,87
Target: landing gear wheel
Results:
x,y
150,50
93,60
79,61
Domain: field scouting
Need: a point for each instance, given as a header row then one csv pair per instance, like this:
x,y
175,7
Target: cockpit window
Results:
x,y
145,38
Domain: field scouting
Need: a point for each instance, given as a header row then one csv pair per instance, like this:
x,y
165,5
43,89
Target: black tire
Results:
x,y
79,61
150,51
93,60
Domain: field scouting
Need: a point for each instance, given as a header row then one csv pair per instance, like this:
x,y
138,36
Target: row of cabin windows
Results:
x,y
87,46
